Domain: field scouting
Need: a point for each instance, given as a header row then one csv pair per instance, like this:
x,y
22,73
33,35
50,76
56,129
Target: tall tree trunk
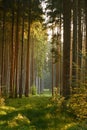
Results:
x,y
2,48
12,59
58,64
86,40
66,47
74,45
21,73
52,76
17,48
61,65
79,41
52,61
27,84
57,75
32,63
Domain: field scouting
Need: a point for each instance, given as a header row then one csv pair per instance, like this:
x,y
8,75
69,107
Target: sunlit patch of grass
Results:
x,y
48,116
49,105
12,123
19,120
28,106
2,122
67,126
78,126
8,108
2,112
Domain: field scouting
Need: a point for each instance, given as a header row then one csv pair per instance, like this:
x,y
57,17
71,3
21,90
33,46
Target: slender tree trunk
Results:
x,y
61,65
32,63
57,75
2,48
74,45
52,62
58,64
86,41
27,84
52,76
17,48
12,59
79,41
66,47
21,73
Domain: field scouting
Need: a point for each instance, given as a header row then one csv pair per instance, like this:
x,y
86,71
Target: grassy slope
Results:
x,y
34,113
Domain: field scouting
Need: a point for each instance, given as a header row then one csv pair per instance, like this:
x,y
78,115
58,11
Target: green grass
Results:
x,y
35,113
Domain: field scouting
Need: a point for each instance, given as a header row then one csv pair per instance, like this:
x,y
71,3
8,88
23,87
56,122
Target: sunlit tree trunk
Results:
x,y
79,41
21,70
74,45
58,63
27,84
32,63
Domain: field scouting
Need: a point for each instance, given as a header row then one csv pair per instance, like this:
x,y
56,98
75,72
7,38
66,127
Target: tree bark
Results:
x,y
66,47
17,48
75,46
27,84
21,73
12,59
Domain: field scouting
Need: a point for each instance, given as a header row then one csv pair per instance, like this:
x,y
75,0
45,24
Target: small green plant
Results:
x,y
33,90
2,101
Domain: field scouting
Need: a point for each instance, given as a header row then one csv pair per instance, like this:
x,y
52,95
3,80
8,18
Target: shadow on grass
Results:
x,y
29,118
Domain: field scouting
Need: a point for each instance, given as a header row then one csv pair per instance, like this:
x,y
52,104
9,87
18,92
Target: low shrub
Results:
x,y
78,104
56,102
33,90
2,101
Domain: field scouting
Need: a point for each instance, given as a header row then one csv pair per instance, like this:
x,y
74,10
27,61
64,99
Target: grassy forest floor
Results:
x,y
36,113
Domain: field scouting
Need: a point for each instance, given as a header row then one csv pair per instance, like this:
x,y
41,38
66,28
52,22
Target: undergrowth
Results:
x,y
37,113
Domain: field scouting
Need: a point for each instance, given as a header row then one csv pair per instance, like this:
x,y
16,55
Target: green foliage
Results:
x,y
57,102
33,90
78,126
39,37
17,120
78,103
2,101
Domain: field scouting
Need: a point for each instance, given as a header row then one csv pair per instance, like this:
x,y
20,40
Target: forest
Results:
x,y
43,64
